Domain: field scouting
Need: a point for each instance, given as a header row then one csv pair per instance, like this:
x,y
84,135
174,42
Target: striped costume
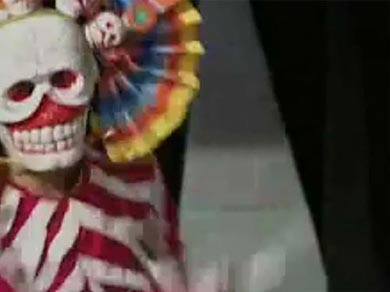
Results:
x,y
90,241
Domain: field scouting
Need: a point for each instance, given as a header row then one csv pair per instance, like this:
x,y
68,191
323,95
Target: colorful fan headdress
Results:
x,y
149,80
148,54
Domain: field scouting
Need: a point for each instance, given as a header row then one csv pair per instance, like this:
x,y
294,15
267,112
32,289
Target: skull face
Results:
x,y
106,30
19,7
45,90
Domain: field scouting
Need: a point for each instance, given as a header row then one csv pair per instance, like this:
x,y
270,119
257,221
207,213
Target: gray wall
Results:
x,y
241,194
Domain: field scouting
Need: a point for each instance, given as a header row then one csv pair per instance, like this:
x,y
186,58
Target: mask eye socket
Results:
x,y
64,79
20,91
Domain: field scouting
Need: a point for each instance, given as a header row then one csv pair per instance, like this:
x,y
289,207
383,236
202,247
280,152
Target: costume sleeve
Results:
x,y
12,274
160,239
166,217
5,286
161,233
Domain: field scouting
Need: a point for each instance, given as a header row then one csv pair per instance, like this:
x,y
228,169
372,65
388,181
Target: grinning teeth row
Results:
x,y
46,148
49,139
48,135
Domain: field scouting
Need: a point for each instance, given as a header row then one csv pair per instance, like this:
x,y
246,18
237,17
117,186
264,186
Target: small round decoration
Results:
x,y
141,17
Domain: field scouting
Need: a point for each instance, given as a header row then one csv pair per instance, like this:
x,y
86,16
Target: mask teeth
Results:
x,y
50,139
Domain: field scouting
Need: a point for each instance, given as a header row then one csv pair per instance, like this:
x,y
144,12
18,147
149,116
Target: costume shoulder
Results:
x,y
136,171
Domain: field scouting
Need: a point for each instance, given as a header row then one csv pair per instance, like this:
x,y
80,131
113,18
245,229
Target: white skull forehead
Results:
x,y
33,50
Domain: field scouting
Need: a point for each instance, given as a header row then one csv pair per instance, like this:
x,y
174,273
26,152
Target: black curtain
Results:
x,y
330,70
171,156
293,36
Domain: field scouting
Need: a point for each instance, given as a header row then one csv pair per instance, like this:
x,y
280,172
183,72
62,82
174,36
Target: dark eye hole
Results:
x,y
21,91
63,79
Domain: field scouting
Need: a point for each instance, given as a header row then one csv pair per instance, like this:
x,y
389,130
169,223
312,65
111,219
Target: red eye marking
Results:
x,y
63,79
21,91
109,25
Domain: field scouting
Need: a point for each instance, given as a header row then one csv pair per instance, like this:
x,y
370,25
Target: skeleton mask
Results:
x,y
47,78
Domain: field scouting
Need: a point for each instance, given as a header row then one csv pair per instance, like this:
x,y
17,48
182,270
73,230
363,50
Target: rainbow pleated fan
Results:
x,y
147,82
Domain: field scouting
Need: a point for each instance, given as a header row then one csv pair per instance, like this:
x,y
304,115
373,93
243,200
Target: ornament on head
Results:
x,y
103,28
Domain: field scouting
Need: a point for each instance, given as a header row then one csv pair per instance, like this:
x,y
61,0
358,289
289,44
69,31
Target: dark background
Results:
x,y
329,62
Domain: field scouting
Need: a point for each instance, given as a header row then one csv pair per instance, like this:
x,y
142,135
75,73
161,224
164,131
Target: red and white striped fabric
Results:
x,y
91,241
